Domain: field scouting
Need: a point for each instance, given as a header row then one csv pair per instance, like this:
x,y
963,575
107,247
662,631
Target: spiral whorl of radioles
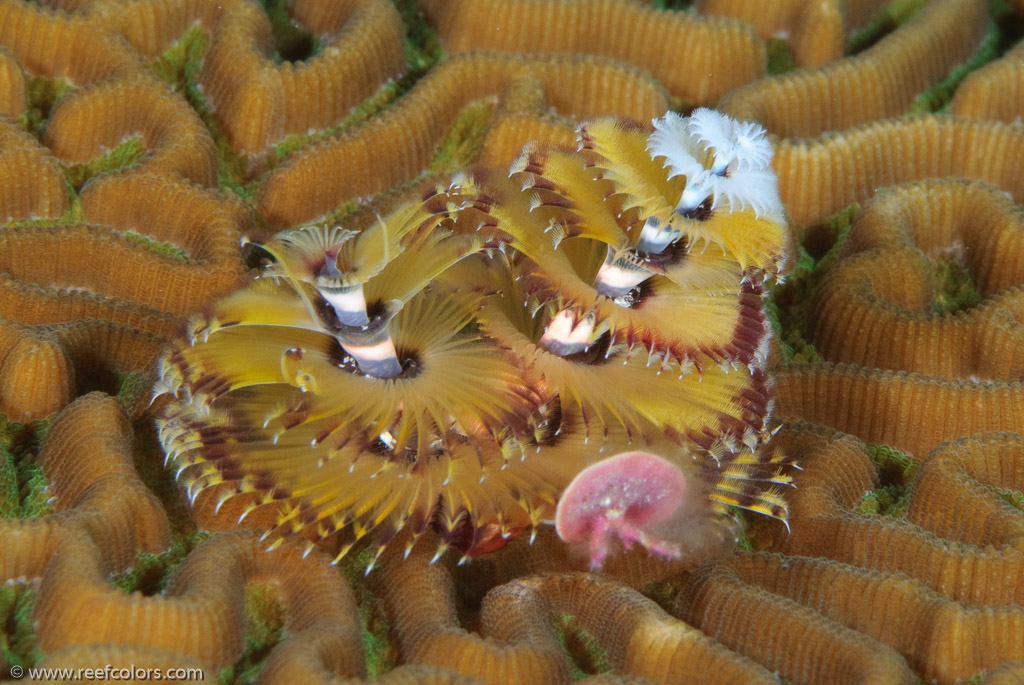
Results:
x,y
452,361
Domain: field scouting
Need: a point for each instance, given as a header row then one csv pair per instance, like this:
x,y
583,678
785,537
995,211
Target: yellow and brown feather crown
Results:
x,y
457,362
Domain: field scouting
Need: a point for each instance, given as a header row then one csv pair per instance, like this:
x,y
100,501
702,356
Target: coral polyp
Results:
x,y
454,363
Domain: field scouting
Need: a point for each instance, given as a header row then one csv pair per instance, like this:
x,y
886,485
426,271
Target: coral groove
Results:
x,y
996,91
730,610
817,31
33,183
142,140
517,642
96,118
12,85
201,614
697,59
901,232
850,165
383,152
258,103
99,500
56,45
912,413
94,299
878,83
941,587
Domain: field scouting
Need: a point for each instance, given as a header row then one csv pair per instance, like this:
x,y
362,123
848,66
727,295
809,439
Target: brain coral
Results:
x,y
487,166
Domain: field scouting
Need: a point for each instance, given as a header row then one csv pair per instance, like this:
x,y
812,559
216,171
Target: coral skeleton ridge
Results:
x,y
470,326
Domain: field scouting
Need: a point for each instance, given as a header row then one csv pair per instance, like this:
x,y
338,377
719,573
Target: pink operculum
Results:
x,y
628,496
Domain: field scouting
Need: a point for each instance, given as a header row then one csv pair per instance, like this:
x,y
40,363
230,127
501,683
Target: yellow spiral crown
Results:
x,y
456,363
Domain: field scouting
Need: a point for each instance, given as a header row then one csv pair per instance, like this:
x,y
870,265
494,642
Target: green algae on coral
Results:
x,y
744,542
18,643
148,460
893,15
897,472
21,477
787,308
264,618
385,95
41,93
129,388
780,57
938,97
381,657
955,290
150,572
10,500
586,657
292,43
72,215
179,66
126,155
164,249
464,140
1014,498
422,45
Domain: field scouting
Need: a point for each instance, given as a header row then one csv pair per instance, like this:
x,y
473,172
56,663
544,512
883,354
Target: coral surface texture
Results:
x,y
512,341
